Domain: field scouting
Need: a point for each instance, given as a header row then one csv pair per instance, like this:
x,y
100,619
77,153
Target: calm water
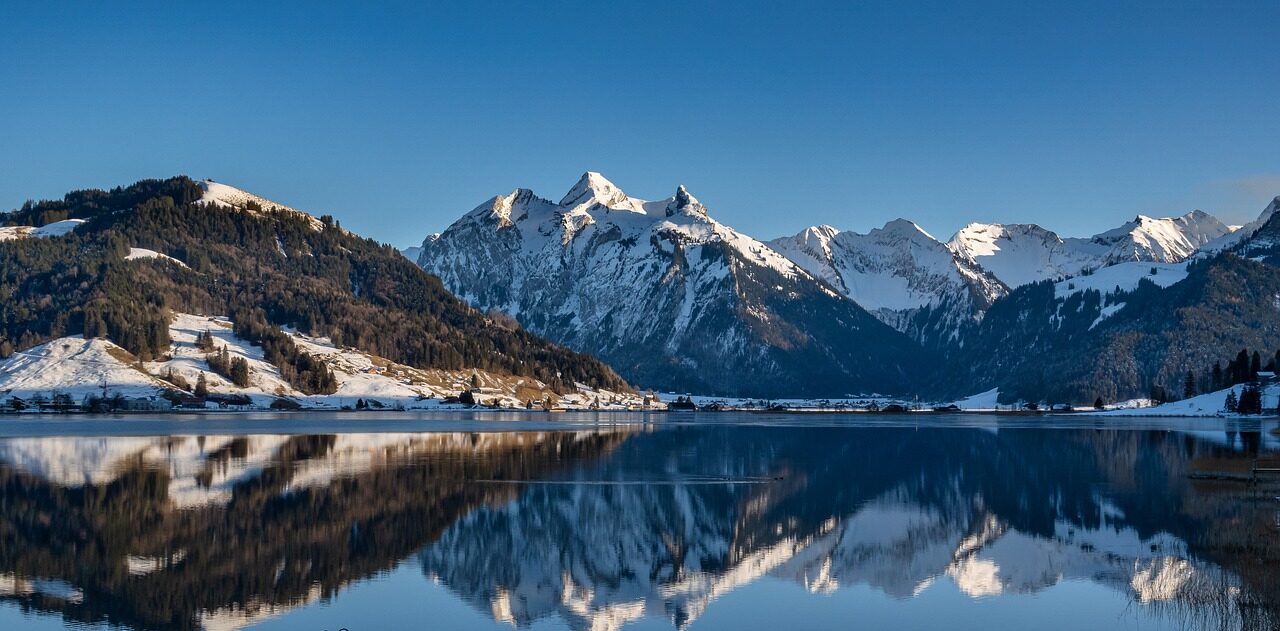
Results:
x,y
637,522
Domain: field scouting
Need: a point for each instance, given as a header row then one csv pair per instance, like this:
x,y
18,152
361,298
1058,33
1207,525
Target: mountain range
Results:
x,y
534,299
667,295
167,288
675,299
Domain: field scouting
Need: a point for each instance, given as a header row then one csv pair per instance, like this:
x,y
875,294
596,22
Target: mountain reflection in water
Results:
x,y
596,528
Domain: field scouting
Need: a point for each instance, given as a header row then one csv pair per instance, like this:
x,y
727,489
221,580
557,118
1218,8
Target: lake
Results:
x,y
490,520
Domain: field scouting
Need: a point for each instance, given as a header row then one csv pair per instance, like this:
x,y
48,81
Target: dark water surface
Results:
x,y
725,521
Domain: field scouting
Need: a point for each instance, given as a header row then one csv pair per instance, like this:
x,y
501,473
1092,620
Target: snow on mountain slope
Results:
x,y
664,293
1242,233
359,375
1122,277
55,229
1166,240
895,272
81,368
1207,404
143,253
224,195
1019,254
76,367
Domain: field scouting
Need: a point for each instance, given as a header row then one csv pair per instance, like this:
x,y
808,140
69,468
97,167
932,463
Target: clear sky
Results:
x,y
398,118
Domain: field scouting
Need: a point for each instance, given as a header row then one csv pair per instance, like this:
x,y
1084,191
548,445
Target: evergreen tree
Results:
x,y
1255,366
202,386
1189,386
1240,368
1231,404
1217,376
1250,401
1098,404
240,372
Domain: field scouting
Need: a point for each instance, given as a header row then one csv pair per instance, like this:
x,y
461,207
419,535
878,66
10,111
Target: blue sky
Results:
x,y
398,118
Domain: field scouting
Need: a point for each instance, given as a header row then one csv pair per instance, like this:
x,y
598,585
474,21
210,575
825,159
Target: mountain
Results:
x,y
668,296
1019,254
310,308
1245,232
1128,329
900,273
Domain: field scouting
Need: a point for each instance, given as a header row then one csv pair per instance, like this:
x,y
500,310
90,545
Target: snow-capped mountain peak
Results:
x,y
1019,254
897,272
1163,240
904,228
593,188
633,280
685,203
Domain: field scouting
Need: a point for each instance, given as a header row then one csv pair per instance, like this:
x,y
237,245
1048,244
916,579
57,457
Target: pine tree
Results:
x,y
1250,401
1231,404
240,372
1189,386
1240,368
1098,404
1217,376
202,386
1255,366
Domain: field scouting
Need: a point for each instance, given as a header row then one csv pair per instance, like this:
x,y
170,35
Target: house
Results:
x,y
147,404
191,403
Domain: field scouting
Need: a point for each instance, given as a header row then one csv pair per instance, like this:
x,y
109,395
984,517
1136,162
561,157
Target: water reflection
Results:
x,y
593,529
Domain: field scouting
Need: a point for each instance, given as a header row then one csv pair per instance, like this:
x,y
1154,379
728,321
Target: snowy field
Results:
x,y
79,369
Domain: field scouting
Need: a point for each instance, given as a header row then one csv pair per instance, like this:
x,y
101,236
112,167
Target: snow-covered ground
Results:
x,y
1208,404
76,367
1123,277
224,195
55,229
143,253
81,368
981,402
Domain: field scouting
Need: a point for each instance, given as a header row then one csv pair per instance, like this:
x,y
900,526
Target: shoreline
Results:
x,y
450,409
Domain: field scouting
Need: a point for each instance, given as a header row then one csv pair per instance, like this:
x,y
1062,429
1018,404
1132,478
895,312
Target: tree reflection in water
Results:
x,y
598,528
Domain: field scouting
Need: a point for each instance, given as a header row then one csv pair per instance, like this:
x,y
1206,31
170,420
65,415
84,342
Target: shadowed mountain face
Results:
x,y
592,530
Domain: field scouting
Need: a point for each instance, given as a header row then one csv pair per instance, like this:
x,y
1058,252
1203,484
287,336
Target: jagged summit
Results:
x,y
593,186
685,203
900,273
635,280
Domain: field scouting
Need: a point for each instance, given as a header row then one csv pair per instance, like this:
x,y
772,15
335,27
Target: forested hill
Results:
x,y
1082,338
267,267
